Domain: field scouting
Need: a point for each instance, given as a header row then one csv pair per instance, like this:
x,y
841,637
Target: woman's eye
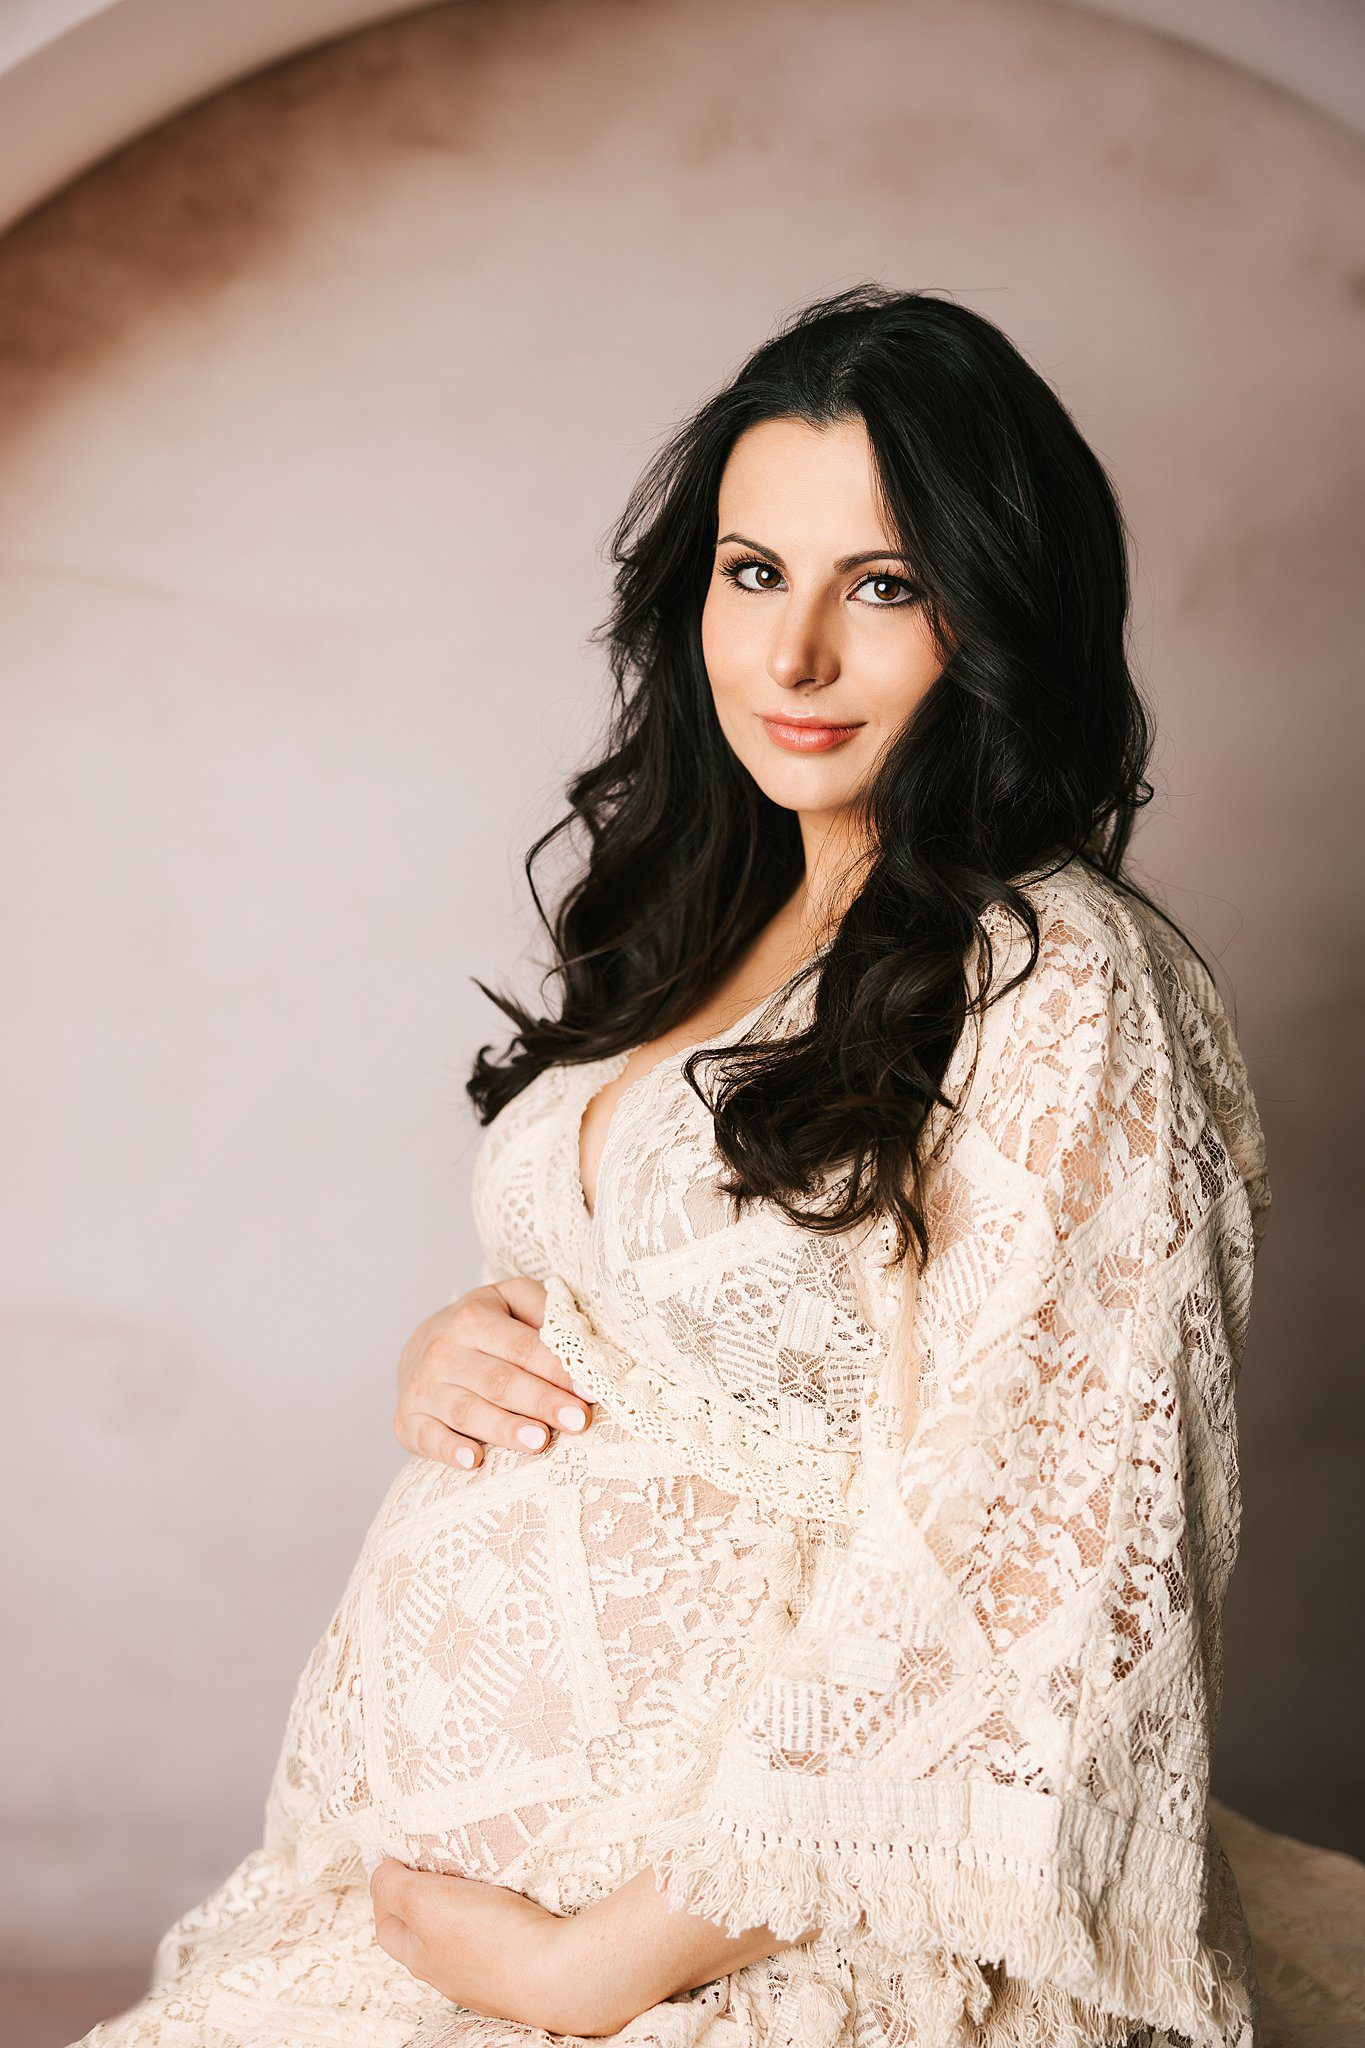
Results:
x,y
881,602
736,571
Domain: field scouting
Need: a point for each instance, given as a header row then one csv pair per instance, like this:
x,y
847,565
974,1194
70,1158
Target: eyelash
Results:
x,y
731,571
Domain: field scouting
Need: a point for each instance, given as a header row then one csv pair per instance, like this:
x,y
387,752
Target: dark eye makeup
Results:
x,y
732,571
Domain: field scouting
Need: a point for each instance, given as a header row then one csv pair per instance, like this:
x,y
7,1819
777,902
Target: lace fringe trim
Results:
x,y
795,1478
1074,1976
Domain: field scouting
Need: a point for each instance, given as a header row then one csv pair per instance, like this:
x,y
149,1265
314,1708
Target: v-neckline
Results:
x,y
602,1072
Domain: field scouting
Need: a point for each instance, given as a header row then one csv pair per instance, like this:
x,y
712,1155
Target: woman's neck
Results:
x,y
837,857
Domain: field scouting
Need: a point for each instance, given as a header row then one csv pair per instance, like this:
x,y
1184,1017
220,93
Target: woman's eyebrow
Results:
x,y
847,562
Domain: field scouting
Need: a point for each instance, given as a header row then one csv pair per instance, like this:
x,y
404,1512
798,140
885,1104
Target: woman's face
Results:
x,y
816,648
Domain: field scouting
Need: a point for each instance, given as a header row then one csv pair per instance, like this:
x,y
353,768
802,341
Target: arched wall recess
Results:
x,y
78,78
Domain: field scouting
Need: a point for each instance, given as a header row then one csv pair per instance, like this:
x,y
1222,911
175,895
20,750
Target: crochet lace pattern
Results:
x,y
892,1608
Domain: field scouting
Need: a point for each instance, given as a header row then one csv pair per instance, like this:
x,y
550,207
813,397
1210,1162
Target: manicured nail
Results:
x,y
583,1393
570,1417
464,1454
532,1434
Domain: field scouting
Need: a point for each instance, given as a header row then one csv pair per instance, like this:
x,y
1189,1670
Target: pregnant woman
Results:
x,y
868,1229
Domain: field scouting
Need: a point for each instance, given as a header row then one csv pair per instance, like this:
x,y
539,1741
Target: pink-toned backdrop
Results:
x,y
315,406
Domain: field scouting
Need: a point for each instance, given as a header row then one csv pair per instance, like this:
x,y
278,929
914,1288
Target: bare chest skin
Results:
x,y
770,964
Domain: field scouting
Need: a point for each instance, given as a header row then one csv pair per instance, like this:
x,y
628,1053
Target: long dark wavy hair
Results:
x,y
1029,749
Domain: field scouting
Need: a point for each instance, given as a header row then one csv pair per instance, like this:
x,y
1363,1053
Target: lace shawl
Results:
x,y
979,1760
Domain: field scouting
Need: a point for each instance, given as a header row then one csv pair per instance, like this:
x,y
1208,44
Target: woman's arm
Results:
x,y
987,1734
630,1951
496,1952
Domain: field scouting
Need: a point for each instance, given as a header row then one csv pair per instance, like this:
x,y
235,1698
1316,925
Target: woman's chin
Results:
x,y
812,783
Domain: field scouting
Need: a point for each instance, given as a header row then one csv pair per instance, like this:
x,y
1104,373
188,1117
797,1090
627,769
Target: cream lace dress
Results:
x,y
954,1700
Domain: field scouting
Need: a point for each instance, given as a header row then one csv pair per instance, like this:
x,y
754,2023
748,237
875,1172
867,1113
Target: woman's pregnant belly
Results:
x,y
529,1663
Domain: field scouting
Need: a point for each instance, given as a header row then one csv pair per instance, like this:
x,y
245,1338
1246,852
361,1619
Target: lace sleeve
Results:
x,y
982,1753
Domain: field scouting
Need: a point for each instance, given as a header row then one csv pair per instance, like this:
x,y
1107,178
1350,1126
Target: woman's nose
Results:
x,y
803,648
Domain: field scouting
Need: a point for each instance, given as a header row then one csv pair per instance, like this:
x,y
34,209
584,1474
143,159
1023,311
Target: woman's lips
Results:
x,y
803,736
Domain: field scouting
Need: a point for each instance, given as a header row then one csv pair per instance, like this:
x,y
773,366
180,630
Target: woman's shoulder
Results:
x,y
1084,919
1089,988
1094,934
1109,959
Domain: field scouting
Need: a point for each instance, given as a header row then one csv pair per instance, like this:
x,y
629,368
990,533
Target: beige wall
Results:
x,y
314,408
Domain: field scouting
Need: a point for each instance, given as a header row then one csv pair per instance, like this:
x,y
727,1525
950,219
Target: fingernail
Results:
x,y
571,1418
464,1454
583,1393
532,1434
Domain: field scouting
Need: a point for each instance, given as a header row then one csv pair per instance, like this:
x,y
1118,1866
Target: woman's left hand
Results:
x,y
488,1949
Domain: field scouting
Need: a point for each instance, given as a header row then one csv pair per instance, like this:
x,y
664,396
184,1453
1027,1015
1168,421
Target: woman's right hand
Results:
x,y
476,1373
